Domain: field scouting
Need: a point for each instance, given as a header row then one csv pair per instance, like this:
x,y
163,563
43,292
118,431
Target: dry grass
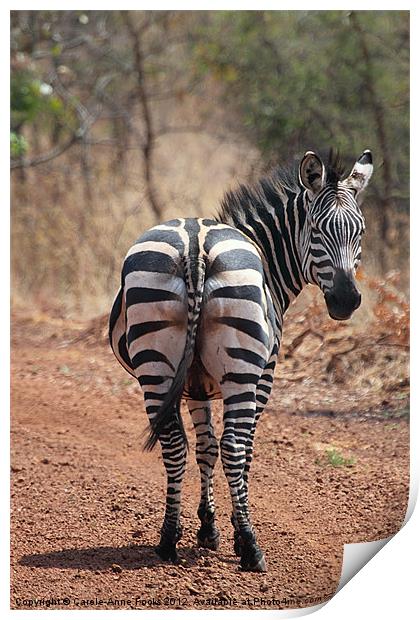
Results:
x,y
368,356
70,234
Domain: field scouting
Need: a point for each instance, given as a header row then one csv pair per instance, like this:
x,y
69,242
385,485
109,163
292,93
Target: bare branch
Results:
x,y
141,88
42,159
76,136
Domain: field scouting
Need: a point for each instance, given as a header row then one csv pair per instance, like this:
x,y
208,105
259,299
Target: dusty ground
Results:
x,y
330,466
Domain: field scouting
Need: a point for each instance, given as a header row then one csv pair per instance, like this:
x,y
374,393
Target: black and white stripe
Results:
x,y
199,315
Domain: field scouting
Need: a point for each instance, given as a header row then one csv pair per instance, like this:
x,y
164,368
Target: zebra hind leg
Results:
x,y
207,451
233,446
237,544
263,392
174,454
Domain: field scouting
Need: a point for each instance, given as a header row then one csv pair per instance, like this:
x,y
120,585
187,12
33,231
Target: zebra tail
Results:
x,y
171,404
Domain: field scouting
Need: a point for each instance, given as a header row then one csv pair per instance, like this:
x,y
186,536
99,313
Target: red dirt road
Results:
x,y
87,503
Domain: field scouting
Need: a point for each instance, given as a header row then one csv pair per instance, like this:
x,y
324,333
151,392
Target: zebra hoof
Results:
x,y
208,536
209,542
254,561
167,552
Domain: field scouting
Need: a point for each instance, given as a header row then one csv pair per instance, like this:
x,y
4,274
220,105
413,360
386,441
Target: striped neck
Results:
x,y
273,217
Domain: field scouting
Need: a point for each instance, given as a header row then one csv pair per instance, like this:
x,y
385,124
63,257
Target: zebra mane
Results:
x,y
253,196
281,180
334,168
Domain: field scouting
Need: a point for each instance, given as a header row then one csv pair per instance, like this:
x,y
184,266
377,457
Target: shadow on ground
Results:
x,y
101,558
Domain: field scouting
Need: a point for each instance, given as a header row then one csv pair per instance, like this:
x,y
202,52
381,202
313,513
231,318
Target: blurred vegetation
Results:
x,y
109,108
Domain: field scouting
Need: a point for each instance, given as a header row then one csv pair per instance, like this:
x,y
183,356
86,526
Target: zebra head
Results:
x,y
332,233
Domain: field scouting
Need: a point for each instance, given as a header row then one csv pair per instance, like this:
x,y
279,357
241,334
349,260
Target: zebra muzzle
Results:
x,y
344,297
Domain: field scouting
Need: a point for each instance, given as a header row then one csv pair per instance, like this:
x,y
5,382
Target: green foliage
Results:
x,y
336,459
300,79
30,98
294,79
18,145
34,105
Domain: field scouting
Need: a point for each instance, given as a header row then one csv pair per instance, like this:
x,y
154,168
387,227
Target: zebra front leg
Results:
x,y
207,451
238,424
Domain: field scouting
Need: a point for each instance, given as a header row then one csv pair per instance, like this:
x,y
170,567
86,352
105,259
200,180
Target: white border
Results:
x,y
387,586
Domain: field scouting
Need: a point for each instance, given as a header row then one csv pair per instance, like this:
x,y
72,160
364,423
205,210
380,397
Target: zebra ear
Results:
x,y
312,172
361,173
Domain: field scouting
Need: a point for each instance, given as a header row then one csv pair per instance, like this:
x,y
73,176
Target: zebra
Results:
x,y
199,317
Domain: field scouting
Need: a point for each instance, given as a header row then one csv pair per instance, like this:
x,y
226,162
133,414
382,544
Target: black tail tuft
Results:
x,y
169,411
